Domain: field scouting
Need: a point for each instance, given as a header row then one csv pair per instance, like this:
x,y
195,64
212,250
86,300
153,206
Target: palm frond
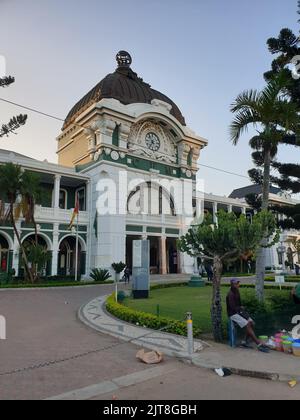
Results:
x,y
240,124
247,99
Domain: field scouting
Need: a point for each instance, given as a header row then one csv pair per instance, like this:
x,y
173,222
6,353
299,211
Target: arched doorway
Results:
x,y
4,254
290,257
172,256
45,270
67,257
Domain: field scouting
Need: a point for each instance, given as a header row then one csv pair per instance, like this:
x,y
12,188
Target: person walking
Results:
x,y
126,275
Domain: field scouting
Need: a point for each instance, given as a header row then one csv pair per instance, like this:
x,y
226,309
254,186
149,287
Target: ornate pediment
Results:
x,y
150,140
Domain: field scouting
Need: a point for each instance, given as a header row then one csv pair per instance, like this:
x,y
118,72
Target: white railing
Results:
x,y
49,214
148,220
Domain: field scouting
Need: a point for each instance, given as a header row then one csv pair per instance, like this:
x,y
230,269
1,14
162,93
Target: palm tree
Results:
x,y
31,192
11,188
273,116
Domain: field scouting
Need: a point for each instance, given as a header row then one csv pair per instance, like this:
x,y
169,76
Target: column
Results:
x,y
229,208
57,179
54,267
88,196
162,255
244,210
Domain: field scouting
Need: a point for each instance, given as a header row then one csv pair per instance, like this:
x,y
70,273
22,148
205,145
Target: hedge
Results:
x,y
147,320
288,279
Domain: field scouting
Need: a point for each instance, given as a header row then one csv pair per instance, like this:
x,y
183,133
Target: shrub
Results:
x,y
118,267
100,274
147,320
121,296
167,285
288,279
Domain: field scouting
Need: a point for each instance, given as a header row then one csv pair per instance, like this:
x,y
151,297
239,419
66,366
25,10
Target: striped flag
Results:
x,y
75,213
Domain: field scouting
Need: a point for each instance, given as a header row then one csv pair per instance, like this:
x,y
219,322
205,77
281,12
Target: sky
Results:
x,y
200,53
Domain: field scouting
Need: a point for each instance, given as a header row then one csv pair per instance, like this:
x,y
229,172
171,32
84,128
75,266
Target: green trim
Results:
x,y
25,232
31,231
44,226
64,227
172,231
8,231
66,234
139,164
132,228
147,165
154,229
5,224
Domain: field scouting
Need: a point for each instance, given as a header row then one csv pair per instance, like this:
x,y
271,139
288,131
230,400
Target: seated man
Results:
x,y
240,317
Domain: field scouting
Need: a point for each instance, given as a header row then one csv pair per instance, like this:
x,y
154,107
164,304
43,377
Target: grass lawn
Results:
x,y
174,302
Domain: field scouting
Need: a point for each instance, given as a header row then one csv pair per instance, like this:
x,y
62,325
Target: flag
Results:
x,y
75,213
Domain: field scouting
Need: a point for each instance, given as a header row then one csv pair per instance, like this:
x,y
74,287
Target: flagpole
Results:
x,y
76,252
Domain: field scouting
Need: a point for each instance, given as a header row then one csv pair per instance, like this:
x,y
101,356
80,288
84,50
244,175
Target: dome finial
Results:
x,y
123,59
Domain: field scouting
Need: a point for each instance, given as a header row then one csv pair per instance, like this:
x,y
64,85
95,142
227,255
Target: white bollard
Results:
x,y
190,336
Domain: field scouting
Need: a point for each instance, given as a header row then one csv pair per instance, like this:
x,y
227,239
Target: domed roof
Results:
x,y
125,86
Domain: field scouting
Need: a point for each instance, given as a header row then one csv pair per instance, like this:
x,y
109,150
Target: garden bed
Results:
x,y
169,304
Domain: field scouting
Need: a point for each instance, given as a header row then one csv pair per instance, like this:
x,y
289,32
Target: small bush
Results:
x,y
118,267
100,275
288,279
147,320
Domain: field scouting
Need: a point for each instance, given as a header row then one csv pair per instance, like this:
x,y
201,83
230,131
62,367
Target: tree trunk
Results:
x,y
216,308
24,256
260,256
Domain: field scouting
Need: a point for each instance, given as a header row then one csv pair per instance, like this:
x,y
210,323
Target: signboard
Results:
x,y
137,254
141,269
279,279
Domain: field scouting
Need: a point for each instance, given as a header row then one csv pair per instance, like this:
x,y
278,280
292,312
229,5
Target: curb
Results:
x,y
184,357
23,289
136,341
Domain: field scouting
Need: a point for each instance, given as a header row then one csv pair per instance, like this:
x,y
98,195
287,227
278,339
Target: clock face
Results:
x,y
152,142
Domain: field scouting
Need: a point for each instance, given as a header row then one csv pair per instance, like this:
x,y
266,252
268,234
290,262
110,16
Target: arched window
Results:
x,y
115,136
81,198
190,158
150,199
63,196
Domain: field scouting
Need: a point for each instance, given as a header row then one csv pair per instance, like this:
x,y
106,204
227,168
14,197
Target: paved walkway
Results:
x,y
244,362
94,315
49,352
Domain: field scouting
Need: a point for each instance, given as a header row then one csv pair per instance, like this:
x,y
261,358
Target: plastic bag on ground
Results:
x,y
149,357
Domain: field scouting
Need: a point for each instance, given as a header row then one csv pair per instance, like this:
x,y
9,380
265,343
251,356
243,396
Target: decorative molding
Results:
x,y
137,145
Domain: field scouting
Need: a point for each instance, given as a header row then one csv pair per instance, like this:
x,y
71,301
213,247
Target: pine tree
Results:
x,y
290,182
15,122
287,46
